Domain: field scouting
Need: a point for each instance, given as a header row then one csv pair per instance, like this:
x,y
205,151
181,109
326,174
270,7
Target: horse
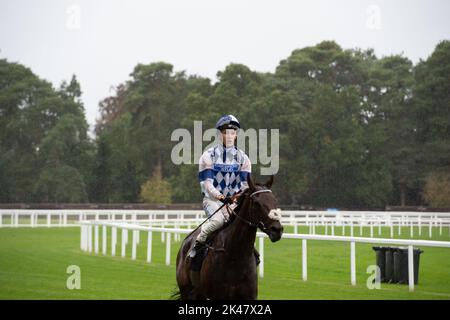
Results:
x,y
229,270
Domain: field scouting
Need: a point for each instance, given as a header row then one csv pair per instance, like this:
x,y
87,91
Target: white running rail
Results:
x,y
347,220
89,242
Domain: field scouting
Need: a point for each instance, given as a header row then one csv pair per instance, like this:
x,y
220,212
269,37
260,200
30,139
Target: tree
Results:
x,y
156,104
39,125
391,121
437,189
156,189
111,108
57,154
60,184
354,130
101,187
119,166
185,186
432,109
330,163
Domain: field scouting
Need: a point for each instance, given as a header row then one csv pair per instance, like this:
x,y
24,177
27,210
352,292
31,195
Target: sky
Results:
x,y
102,41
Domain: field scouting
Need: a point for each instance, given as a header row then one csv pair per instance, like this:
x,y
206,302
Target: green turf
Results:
x,y
33,263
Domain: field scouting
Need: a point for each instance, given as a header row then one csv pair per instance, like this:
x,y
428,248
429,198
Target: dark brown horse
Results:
x,y
229,269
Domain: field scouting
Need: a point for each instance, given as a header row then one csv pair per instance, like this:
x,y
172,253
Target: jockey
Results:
x,y
223,171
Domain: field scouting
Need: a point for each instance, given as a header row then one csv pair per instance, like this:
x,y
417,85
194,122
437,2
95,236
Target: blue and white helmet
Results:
x,y
228,122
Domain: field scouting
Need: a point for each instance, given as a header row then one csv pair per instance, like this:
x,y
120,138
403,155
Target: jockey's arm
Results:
x,y
212,192
206,178
245,172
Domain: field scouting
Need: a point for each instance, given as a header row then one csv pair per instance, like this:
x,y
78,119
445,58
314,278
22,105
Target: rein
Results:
x,y
224,205
260,224
231,211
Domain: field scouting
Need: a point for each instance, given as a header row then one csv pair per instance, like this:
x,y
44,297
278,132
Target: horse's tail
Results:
x,y
176,294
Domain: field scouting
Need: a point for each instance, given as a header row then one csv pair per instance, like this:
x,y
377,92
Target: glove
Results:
x,y
227,200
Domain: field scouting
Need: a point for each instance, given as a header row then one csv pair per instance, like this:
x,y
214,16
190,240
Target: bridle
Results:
x,y
230,211
259,224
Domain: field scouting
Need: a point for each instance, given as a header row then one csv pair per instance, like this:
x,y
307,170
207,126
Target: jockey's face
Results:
x,y
228,137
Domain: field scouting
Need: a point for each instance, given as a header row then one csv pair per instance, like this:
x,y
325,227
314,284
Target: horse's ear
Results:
x,y
250,182
270,182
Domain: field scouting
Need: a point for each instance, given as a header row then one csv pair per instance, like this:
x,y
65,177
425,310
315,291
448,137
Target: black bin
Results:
x,y
381,261
401,273
393,264
389,276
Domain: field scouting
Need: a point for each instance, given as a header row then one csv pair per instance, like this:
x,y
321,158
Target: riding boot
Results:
x,y
256,253
198,247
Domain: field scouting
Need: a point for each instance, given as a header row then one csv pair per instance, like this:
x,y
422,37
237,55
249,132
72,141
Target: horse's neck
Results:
x,y
241,235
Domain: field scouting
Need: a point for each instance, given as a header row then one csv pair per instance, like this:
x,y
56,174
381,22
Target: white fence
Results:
x,y
72,218
90,242
349,221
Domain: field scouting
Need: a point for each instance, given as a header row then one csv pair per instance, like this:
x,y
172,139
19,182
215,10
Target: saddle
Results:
x,y
197,261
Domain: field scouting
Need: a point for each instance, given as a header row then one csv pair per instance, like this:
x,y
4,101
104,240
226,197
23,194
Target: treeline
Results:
x,y
355,130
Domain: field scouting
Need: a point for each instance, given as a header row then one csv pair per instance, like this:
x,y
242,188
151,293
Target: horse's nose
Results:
x,y
275,232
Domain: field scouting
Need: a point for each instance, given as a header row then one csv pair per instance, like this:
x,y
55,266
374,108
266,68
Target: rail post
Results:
x,y
304,260
352,263
411,268
168,248
261,255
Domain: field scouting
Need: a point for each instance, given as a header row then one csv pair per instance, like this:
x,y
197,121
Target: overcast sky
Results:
x,y
102,41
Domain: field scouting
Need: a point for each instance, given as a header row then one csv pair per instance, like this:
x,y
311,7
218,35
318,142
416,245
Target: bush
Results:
x,y
437,189
156,189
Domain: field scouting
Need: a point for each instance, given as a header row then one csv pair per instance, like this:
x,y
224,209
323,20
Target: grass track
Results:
x,y
33,263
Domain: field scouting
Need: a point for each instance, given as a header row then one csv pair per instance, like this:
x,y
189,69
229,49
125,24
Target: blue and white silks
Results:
x,y
223,171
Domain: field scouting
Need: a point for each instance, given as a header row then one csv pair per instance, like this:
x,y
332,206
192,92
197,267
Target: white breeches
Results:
x,y
216,221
